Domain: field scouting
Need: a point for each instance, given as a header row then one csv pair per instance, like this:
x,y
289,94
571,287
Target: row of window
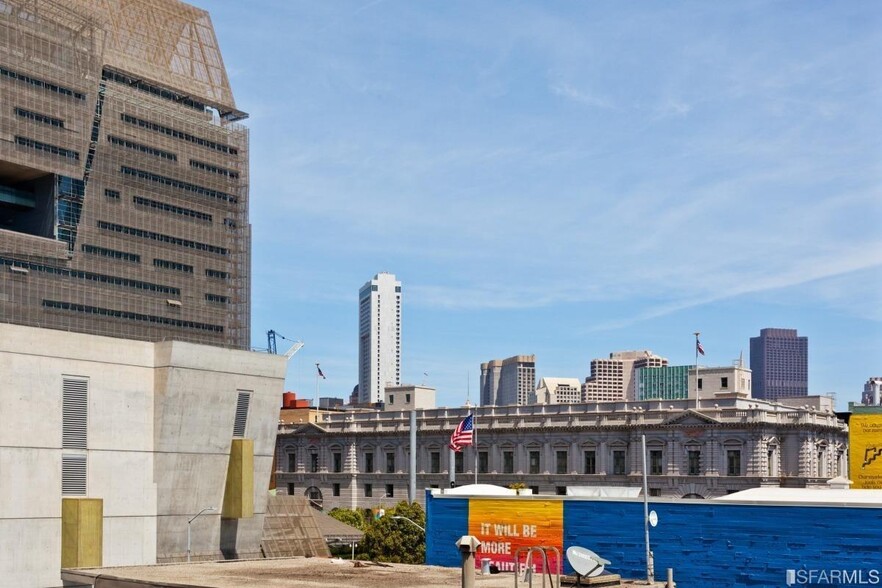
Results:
x,y
222,171
134,316
163,238
104,252
40,118
38,83
146,124
173,265
217,298
589,465
161,153
78,274
217,274
47,148
180,185
166,207
143,86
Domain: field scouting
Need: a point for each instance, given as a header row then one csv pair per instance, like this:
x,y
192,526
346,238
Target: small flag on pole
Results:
x,y
322,375
698,347
462,436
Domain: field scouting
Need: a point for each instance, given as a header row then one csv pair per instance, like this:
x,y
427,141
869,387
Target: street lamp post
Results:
x,y
415,524
207,508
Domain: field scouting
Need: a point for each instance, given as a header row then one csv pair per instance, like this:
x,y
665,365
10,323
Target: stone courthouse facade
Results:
x,y
361,459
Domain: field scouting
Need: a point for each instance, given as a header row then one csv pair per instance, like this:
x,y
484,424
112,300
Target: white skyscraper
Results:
x,y
379,337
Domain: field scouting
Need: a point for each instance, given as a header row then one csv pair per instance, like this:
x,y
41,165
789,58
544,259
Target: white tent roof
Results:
x,y
806,495
480,490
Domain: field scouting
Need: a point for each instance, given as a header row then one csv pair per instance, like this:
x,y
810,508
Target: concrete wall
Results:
x,y
160,427
707,543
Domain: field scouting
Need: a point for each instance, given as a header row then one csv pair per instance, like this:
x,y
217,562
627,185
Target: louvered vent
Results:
x,y
242,404
74,413
73,475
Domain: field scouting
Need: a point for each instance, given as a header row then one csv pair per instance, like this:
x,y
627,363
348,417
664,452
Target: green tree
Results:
x,y
396,540
353,518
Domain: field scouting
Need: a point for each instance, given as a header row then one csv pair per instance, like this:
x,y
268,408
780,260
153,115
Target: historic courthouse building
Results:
x,y
361,459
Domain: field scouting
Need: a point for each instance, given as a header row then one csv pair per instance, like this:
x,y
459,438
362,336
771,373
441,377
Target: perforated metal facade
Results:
x,y
123,174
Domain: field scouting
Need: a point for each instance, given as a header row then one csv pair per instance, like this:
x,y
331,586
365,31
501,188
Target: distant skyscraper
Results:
x,y
559,391
613,379
379,337
508,381
872,391
779,362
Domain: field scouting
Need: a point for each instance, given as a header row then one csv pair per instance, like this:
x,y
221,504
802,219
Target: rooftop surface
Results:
x,y
288,573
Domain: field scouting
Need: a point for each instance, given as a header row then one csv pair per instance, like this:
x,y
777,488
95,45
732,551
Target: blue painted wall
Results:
x,y
707,543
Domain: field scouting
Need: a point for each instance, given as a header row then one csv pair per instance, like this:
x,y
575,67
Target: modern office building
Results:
x,y
612,379
663,383
510,381
779,362
123,173
379,337
360,460
129,404
559,391
678,382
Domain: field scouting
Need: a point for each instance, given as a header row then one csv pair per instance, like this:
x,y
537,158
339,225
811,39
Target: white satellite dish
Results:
x,y
585,562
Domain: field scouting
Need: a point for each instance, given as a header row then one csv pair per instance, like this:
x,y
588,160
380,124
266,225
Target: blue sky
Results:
x,y
564,179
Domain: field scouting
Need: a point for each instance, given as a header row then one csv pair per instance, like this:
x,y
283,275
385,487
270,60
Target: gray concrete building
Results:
x,y
508,381
361,459
779,362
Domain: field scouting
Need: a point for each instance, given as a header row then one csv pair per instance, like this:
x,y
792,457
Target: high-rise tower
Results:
x,y
379,337
779,362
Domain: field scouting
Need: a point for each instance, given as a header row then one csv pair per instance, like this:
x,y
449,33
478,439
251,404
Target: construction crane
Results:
x,y
271,344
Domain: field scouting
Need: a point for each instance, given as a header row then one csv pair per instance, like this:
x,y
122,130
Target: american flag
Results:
x,y
698,347
462,436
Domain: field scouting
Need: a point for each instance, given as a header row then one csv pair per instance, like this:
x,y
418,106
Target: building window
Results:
x,y
733,462
391,399
369,462
390,462
390,490
655,491
561,462
534,489
435,462
694,465
292,462
291,489
655,462
619,462
699,383
335,490
560,490
458,462
314,462
368,490
338,462
483,462
508,462
724,383
407,398
534,462
590,462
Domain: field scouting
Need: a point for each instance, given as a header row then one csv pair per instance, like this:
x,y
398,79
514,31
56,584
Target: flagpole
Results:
x,y
696,369
474,423
317,370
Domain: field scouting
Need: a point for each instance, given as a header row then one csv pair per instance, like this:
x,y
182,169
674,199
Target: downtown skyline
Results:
x,y
563,180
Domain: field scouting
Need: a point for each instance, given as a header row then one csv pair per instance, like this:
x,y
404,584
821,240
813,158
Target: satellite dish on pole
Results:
x,y
585,562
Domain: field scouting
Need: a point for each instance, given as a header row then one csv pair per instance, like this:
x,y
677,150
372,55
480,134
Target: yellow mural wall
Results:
x,y
503,526
865,450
